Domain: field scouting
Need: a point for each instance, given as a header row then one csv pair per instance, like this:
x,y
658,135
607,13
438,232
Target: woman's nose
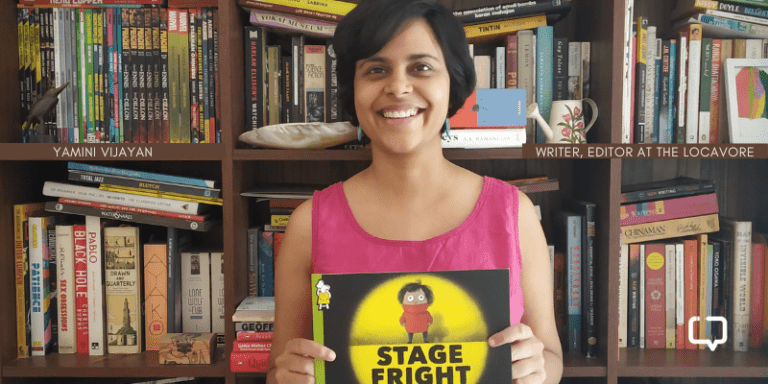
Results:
x,y
399,84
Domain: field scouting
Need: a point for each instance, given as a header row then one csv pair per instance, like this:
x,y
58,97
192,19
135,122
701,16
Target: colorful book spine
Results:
x,y
273,86
714,110
756,335
544,51
633,301
717,286
705,286
174,280
290,10
650,86
705,92
126,64
81,289
691,289
340,8
665,117
560,69
196,292
641,65
477,33
314,83
694,32
527,77
192,76
623,294
669,293
253,261
166,73
155,294
140,174
680,320
740,234
511,61
726,52
254,87
333,106
65,249
100,178
22,213
115,207
655,302
40,285
266,254
123,290
184,98
293,23
95,286
681,87
660,210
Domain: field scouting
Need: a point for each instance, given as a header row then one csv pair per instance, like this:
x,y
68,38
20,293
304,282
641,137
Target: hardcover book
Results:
x,y
123,291
196,291
155,294
410,327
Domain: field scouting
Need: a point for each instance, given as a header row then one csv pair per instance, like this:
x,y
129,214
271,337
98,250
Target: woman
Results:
x,y
403,68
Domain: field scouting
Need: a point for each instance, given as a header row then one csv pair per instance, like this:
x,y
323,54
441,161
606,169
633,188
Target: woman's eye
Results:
x,y
376,70
422,67
410,298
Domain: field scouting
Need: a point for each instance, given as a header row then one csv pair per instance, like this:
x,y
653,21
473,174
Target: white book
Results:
x,y
95,286
39,285
65,281
623,272
526,75
485,138
586,60
574,71
641,294
483,71
79,192
680,289
217,293
740,235
682,75
650,86
195,292
694,80
122,263
627,75
754,49
501,67
669,286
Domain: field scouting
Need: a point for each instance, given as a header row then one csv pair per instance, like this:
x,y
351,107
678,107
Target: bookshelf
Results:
x,y
24,167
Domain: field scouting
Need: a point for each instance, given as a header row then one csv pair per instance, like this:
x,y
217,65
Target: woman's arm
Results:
x,y
292,356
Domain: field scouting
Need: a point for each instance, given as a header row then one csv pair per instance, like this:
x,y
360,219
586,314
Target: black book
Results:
x,y
679,187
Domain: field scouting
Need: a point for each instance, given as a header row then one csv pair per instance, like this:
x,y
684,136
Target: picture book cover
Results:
x,y
492,108
419,327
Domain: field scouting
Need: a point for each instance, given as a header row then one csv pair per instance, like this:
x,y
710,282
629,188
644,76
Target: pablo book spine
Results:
x,y
155,294
78,192
196,292
81,289
65,249
655,302
660,210
95,286
22,213
122,259
40,285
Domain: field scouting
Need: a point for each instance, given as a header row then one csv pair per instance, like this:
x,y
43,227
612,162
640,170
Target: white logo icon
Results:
x,y
712,344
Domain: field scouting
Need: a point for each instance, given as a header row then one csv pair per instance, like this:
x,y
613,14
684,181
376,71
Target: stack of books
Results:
x,y
254,321
136,73
682,88
135,196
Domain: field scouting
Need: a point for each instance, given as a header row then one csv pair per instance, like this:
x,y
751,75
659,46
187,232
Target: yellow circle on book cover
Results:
x,y
380,349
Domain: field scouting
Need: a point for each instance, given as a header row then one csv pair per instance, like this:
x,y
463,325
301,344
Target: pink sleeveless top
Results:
x,y
487,239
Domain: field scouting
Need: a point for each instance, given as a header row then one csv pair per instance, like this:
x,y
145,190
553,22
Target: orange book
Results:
x,y
691,286
155,294
702,245
758,279
655,299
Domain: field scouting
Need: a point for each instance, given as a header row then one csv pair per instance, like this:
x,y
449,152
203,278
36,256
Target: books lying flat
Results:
x,y
72,165
101,178
485,138
254,308
669,228
369,319
667,209
665,189
304,192
200,226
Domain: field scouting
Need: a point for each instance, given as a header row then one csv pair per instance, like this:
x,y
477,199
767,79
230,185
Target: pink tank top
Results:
x,y
487,239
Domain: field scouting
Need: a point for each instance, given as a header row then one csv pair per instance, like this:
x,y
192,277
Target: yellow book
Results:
x,y
329,6
687,226
486,31
279,220
21,215
162,194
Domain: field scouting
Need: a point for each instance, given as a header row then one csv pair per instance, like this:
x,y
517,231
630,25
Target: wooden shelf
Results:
x,y
122,152
691,363
144,364
581,366
364,154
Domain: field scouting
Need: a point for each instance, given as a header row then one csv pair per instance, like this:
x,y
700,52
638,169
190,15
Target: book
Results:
x,y
218,309
655,296
484,32
739,232
527,76
691,289
289,9
314,83
623,294
100,178
705,286
254,326
728,9
715,95
705,93
669,295
669,228
693,32
21,215
756,335
650,87
161,194
725,28
151,212
485,138
554,10
255,309
254,336
252,346
292,23
544,41
641,65
122,259
81,289
196,292
680,321
255,50
248,361
491,109
129,216
569,241
266,270
588,213
155,294
40,285
666,209
93,233
65,281
149,176
360,324
678,187
335,7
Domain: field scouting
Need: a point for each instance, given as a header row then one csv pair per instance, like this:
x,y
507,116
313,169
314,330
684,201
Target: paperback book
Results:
x,y
412,327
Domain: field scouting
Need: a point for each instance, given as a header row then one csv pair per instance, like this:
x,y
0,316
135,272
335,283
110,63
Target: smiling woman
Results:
x,y
404,68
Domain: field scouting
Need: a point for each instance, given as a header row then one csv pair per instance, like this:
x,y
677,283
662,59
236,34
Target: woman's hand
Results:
x,y
296,365
527,353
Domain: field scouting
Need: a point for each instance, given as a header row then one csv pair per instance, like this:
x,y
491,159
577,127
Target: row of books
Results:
x,y
682,88
141,75
254,321
79,285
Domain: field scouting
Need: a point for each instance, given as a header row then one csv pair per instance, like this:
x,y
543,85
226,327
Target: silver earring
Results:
x,y
359,133
447,128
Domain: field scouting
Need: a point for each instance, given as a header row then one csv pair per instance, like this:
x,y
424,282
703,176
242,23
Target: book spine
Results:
x,y
714,124
290,10
511,77
157,72
333,107
90,134
560,69
253,262
732,8
650,85
77,192
664,111
680,282
155,294
248,361
314,83
705,286
47,3
252,346
669,293
660,210
586,60
112,73
65,248
588,281
710,289
96,178
81,289
526,76
700,187
505,11
745,29
728,275
485,138
669,228
293,24
717,285
741,235
123,290
127,71
273,87
204,44
115,207
52,286
215,105
655,272
340,8
196,292
22,212
640,79
726,52
192,75
705,90
641,296
575,283
691,289
174,65
633,306
253,87
254,335
574,90
672,91
127,216
758,280
544,42
161,194
174,281
166,74
656,91
141,43
682,94
266,264
218,309
22,47
482,71
184,98
39,285
694,79
480,32
95,286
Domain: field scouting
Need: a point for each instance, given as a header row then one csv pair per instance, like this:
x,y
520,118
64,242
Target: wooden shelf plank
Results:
x,y
365,154
144,364
691,363
133,152
581,366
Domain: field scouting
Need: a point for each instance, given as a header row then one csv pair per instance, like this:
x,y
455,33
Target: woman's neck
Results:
x,y
414,173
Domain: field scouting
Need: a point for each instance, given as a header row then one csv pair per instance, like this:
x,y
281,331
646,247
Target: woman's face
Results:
x,y
402,91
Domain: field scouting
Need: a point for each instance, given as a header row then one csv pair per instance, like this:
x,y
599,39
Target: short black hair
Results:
x,y
373,23
413,287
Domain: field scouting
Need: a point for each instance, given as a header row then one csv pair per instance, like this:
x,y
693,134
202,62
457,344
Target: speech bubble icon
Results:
x,y
709,343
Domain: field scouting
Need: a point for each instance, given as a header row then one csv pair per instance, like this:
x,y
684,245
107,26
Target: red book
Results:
x,y
81,290
252,346
758,276
248,361
691,264
560,282
655,297
715,75
277,242
659,210
143,211
254,336
511,61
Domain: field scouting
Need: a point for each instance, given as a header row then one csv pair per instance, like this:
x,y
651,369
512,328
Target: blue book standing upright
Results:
x,y
544,56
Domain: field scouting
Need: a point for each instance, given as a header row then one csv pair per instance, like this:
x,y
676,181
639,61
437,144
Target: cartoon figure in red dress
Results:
x,y
416,299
